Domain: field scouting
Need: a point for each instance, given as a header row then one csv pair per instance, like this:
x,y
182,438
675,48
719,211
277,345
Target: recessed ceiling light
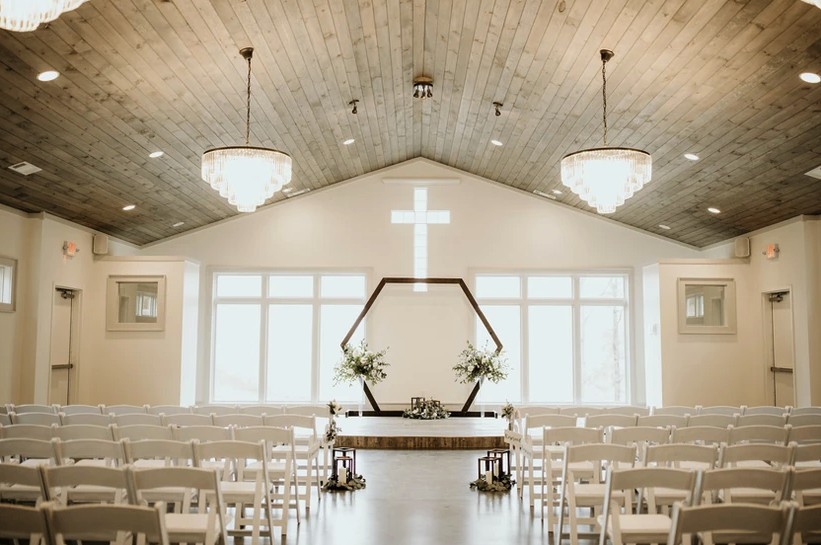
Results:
x,y
179,224
713,210
49,75
349,141
495,142
557,192
155,154
665,227
129,207
691,156
810,77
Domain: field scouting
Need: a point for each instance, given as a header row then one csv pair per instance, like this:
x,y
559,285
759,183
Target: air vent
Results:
x,y
25,168
815,173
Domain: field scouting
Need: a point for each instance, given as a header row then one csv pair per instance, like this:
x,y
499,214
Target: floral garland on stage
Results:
x,y
485,364
358,362
427,409
500,484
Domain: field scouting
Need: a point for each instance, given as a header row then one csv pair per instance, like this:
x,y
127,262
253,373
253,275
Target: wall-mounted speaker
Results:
x,y
100,246
742,247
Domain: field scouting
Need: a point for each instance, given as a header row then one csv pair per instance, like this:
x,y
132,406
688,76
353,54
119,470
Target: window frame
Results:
x,y
576,302
265,301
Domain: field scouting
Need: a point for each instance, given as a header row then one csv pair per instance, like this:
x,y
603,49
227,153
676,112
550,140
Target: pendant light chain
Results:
x,y
248,114
604,98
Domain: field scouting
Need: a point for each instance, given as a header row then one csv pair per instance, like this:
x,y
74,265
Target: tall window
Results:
x,y
565,336
276,337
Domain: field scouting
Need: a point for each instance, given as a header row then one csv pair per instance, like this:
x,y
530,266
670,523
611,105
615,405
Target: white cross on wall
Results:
x,y
420,217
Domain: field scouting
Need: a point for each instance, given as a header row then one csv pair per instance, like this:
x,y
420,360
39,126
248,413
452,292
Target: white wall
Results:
x,y
493,228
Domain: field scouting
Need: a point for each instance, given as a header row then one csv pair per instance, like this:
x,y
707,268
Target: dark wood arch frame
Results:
x,y
437,281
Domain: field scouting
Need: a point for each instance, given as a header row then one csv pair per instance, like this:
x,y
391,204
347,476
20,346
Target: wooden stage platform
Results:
x,y
405,434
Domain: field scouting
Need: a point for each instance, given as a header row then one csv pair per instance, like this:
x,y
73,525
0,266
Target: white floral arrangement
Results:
x,y
359,362
508,411
475,364
334,408
331,431
427,409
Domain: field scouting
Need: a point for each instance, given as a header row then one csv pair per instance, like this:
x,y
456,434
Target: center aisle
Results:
x,y
418,498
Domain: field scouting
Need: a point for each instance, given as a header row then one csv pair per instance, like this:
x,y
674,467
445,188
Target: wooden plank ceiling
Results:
x,y
711,77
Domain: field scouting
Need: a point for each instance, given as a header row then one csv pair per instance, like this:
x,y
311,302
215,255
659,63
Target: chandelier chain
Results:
x,y
604,98
248,111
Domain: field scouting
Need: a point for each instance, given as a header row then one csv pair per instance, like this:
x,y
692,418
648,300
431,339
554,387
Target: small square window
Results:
x,y
236,285
601,287
549,287
290,286
343,287
498,287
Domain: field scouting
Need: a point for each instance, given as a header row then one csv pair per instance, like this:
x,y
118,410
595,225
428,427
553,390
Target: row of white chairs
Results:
x,y
679,421
675,410
309,410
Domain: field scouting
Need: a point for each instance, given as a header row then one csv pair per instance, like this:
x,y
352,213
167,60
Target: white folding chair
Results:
x,y
760,455
678,456
730,523
30,452
159,454
215,409
778,435
703,435
37,419
513,439
675,410
27,431
106,523
806,485
804,419
805,434
238,420
233,457
78,409
168,410
651,527
640,437
712,420
260,410
136,419
141,433
20,523
78,431
86,484
725,410
28,409
89,452
800,411
807,525
85,419
202,434
538,422
610,420
628,410
762,420
319,411
5,419
807,456
766,409
20,483
306,448
663,421
531,445
744,485
532,410
123,409
586,492
187,420
580,411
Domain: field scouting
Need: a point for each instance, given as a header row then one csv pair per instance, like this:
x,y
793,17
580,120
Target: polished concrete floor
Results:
x,y
417,498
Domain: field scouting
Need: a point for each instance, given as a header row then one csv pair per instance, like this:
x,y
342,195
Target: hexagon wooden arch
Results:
x,y
403,280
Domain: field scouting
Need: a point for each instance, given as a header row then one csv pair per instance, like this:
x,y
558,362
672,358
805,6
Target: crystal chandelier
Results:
x,y
605,177
246,175
423,87
26,15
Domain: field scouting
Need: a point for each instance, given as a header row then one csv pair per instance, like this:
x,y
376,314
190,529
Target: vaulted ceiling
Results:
x,y
712,77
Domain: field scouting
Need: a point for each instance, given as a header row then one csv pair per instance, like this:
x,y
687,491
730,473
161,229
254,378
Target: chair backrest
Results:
x,y
140,433
807,524
532,421
804,479
726,410
18,522
805,454
37,419
610,420
202,433
629,410
580,411
675,410
762,420
103,522
236,454
805,434
88,449
137,419
85,419
766,409
640,437
646,479
734,523
123,409
238,420
79,409
672,455
806,419
296,421
168,410
17,474
799,411
319,411
5,419
271,435
663,421
528,410
602,454
260,410
26,448
57,480
572,436
777,455
27,409
174,453
187,420
79,431
714,481
214,409
759,434
700,434
27,431
712,420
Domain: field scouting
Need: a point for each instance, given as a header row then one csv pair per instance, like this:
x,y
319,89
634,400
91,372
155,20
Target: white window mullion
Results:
x,y
317,306
263,338
525,350
577,343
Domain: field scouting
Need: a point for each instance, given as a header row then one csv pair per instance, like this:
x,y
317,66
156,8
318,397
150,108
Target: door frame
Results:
x,y
767,334
76,326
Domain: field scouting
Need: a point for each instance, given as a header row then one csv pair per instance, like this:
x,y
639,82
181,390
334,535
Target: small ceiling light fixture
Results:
x,y
495,142
295,193
556,192
713,210
354,110
810,77
605,177
543,194
422,87
156,154
27,15
691,156
129,207
349,141
247,176
498,106
179,224
48,75
665,227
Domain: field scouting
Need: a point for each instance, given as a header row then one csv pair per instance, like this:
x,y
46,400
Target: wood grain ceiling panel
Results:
x,y
718,78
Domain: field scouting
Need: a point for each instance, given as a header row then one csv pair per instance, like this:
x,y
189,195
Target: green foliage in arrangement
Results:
x,y
359,362
475,364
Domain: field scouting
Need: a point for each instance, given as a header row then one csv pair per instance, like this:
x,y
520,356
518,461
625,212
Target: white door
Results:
x,y
63,370
783,356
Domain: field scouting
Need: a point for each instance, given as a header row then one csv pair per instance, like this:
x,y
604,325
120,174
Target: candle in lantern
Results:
x,y
489,476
